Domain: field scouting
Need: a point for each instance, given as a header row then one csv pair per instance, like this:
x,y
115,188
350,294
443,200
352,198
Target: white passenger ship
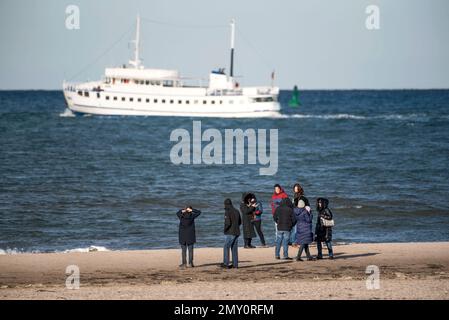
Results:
x,y
135,90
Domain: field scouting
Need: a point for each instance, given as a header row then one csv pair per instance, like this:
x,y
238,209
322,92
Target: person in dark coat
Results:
x,y
247,209
285,220
187,234
304,234
232,232
323,233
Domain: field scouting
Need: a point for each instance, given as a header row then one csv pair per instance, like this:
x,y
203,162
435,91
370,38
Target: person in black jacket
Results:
x,y
232,232
248,210
285,220
187,234
323,233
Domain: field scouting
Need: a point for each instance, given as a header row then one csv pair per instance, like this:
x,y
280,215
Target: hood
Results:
x,y
282,191
228,203
324,201
246,196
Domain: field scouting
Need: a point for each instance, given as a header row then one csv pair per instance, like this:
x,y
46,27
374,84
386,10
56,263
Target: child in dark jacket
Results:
x,y
187,234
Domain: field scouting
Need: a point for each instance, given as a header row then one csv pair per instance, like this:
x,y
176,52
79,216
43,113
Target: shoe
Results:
x,y
298,259
331,257
290,243
224,266
319,257
252,247
287,258
277,258
182,266
295,245
191,265
311,259
264,246
246,247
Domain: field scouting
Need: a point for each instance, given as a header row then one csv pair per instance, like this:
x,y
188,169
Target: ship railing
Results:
x,y
225,92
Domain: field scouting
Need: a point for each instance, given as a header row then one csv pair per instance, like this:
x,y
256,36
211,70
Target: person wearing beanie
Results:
x,y
304,234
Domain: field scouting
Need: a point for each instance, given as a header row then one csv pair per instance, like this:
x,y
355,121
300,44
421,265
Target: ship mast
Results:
x,y
231,73
136,62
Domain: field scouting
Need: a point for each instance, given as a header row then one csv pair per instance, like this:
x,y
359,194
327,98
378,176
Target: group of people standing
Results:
x,y
293,225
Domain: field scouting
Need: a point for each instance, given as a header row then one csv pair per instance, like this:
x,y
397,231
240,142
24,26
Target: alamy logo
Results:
x,y
72,282
372,21
189,150
72,19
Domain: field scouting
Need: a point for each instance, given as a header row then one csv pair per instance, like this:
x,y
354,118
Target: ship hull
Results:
x,y
220,107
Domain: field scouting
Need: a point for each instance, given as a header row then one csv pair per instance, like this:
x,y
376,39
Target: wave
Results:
x,y
337,116
67,114
9,251
16,251
88,249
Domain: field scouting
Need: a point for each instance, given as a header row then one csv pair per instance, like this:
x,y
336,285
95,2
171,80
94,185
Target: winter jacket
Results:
x,y
323,233
276,199
247,216
284,216
232,219
187,234
304,222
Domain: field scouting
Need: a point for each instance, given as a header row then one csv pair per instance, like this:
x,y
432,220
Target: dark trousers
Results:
x,y
320,248
184,248
302,248
258,226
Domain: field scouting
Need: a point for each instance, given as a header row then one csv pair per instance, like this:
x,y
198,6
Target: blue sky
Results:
x,y
319,44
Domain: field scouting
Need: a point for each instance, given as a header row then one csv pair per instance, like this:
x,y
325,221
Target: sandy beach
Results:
x,y
407,271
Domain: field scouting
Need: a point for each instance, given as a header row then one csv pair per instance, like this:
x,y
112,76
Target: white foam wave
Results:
x,y
337,116
88,249
67,114
21,251
15,251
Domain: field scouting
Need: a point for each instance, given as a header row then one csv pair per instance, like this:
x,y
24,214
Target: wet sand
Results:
x,y
407,271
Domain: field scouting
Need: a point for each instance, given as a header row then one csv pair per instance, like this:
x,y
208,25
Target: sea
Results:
x,y
79,183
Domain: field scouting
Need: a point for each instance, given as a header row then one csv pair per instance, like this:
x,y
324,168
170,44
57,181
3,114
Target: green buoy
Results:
x,y
294,99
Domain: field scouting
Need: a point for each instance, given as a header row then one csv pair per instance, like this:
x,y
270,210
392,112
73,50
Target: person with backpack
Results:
x,y
187,234
324,225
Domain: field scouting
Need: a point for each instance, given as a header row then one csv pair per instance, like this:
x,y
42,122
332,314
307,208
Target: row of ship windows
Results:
x,y
165,83
171,101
